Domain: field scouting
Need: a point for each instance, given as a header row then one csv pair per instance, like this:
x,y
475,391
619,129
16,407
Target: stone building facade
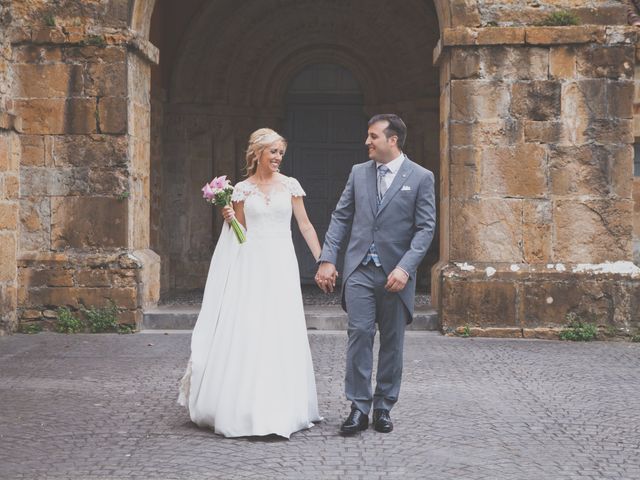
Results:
x,y
113,113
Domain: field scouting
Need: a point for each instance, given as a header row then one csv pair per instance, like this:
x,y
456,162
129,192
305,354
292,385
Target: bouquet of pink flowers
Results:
x,y
218,192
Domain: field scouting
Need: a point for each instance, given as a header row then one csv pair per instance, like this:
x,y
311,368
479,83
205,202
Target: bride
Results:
x,y
250,371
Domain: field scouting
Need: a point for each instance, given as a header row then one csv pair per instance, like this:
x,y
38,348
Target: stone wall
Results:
x,y
9,183
83,237
636,179
540,180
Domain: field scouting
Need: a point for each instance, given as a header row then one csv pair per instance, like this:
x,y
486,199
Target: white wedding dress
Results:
x,y
250,371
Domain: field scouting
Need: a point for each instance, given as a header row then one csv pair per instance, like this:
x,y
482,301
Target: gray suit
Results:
x,y
402,227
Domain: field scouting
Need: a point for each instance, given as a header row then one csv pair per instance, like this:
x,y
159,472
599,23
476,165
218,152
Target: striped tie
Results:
x,y
382,185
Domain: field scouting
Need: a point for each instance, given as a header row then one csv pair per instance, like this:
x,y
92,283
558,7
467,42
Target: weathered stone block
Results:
x,y
465,63
5,154
30,314
500,62
562,62
105,79
464,172
514,171
8,215
621,170
36,54
580,170
613,131
487,133
636,207
489,304
486,229
495,332
50,277
32,150
90,151
542,333
141,126
48,80
548,302
602,14
94,278
605,61
542,132
536,100
42,116
80,116
8,272
479,100
112,115
48,35
592,231
148,277
537,231
565,35
86,222
11,187
55,181
620,99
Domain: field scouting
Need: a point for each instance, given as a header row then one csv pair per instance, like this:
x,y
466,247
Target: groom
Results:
x,y
388,213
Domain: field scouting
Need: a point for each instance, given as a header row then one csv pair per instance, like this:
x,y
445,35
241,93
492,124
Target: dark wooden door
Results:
x,y
326,134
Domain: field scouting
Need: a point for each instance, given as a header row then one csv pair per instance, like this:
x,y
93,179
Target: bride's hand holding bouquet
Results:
x,y
218,192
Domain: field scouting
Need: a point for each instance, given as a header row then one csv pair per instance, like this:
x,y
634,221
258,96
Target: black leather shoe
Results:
x,y
355,422
382,420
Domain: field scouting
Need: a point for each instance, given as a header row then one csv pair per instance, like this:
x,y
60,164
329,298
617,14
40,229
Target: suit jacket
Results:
x,y
402,226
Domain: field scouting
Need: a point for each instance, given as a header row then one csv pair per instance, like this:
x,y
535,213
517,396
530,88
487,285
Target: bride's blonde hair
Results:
x,y
258,141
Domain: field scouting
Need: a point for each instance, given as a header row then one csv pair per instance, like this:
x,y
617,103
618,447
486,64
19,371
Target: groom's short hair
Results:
x,y
396,126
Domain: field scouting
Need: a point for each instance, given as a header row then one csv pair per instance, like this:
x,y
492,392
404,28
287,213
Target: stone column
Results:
x,y
9,186
537,180
84,196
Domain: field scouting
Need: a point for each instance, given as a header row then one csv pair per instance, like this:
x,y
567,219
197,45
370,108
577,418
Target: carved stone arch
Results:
x,y
273,92
140,16
208,74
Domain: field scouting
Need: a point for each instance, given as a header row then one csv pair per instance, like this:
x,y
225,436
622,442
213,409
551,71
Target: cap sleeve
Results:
x,y
294,188
240,192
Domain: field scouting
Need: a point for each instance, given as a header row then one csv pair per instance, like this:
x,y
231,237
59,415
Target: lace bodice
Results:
x,y
267,213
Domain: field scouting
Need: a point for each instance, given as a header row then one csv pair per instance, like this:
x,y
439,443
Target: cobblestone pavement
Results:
x,y
103,407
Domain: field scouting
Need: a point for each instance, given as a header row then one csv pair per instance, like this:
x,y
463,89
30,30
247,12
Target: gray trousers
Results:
x,y
369,303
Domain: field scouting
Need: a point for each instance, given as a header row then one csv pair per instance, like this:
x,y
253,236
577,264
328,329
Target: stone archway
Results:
x,y
215,96
505,93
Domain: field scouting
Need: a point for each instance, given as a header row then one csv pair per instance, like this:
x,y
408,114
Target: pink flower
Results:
x,y
208,192
219,183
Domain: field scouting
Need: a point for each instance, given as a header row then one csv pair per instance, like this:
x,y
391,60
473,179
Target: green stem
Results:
x,y
238,231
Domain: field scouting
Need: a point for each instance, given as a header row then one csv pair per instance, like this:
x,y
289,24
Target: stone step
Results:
x,y
325,317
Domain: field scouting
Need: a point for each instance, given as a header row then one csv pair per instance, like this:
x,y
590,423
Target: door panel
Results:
x,y
325,141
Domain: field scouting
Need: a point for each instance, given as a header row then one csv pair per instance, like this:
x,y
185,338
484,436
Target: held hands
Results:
x,y
396,280
228,213
326,277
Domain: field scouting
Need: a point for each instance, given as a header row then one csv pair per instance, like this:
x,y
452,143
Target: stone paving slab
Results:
x,y
102,407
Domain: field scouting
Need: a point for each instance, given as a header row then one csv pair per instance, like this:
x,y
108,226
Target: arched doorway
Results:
x,y
227,69
325,125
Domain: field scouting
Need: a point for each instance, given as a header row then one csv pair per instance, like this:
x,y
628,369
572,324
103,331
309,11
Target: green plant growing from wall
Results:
x,y
103,319
466,331
30,328
50,20
126,328
96,41
67,322
562,18
577,330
